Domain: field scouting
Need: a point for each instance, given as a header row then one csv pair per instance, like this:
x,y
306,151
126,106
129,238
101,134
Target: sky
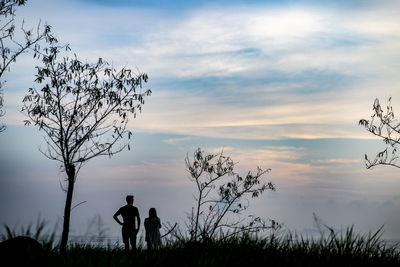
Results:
x,y
275,84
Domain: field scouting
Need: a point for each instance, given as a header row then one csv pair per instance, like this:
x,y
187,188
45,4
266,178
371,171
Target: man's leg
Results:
x,y
125,238
133,239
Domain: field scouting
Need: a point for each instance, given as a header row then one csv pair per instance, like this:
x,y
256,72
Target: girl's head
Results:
x,y
152,213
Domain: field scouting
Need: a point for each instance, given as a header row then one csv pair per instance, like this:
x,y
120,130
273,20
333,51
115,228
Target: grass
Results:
x,y
37,232
348,250
345,248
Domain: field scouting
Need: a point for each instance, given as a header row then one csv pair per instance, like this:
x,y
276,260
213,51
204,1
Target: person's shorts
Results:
x,y
128,233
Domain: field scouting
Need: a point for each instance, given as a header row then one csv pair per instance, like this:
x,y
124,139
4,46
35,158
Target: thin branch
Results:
x,y
78,204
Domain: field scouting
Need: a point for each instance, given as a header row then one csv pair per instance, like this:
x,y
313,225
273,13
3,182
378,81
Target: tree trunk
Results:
x,y
67,210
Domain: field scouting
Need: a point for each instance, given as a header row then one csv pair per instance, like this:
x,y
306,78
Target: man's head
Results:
x,y
129,199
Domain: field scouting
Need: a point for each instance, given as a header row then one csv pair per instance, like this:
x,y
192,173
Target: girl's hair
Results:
x,y
152,213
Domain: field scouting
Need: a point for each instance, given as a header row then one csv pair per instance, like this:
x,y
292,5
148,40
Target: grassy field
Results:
x,y
332,249
234,253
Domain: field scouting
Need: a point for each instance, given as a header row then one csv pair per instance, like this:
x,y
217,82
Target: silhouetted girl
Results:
x,y
152,226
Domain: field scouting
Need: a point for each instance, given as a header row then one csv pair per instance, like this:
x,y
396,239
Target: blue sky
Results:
x,y
279,84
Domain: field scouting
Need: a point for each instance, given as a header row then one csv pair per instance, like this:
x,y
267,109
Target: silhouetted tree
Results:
x,y
83,109
384,125
11,46
222,197
2,112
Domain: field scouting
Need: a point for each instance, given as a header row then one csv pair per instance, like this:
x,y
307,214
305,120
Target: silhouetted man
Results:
x,y
129,214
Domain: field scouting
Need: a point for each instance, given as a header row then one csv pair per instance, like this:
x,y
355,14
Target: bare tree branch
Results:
x,y
384,125
11,47
2,112
80,203
222,197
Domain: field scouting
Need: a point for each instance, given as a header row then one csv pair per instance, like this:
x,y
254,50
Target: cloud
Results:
x,y
259,71
173,141
336,161
275,153
145,174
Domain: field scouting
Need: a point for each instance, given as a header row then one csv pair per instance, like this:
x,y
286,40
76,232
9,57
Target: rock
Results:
x,y
21,251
